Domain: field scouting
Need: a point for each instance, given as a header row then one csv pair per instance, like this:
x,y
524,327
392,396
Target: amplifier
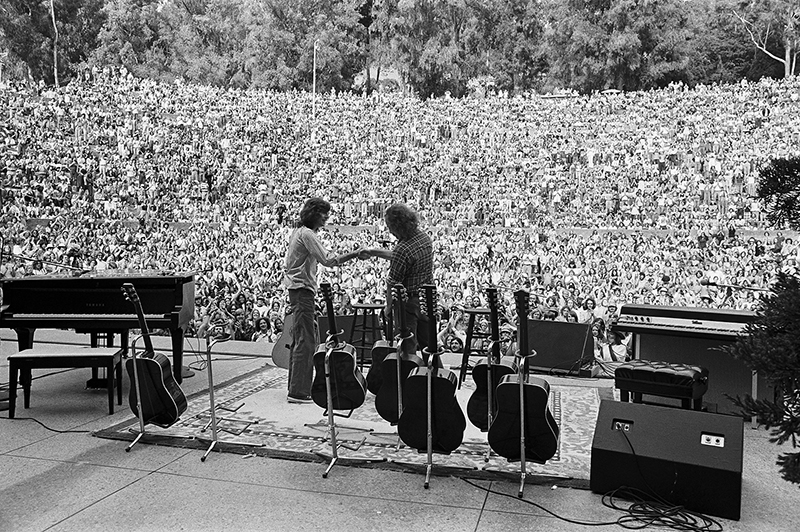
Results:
x,y
688,458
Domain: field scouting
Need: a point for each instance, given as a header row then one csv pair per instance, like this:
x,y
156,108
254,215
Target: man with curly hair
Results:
x,y
306,251
410,264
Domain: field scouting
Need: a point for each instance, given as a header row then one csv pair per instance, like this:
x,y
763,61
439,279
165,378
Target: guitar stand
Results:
x,y
490,398
331,345
246,423
138,396
522,464
213,421
399,341
429,459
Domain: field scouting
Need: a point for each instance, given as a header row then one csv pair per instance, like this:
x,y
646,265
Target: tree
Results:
x,y
30,34
767,21
622,44
427,41
779,187
138,35
719,49
503,42
771,344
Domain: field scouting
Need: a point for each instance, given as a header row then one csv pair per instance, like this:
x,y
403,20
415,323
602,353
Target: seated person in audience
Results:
x,y
599,338
614,350
263,332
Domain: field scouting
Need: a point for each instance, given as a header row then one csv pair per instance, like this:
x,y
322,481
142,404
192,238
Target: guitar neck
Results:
x,y
133,297
430,306
333,332
521,297
494,318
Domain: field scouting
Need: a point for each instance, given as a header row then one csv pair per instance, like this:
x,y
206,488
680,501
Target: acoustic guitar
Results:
x,y
348,386
380,350
488,372
446,422
522,400
161,398
282,350
396,366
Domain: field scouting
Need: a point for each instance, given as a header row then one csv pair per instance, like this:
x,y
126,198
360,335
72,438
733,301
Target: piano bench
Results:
x,y
20,366
677,381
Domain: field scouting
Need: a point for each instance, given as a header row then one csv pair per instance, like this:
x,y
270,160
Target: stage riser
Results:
x,y
669,458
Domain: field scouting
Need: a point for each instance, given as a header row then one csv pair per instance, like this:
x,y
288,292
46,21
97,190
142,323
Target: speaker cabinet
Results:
x,y
689,458
560,347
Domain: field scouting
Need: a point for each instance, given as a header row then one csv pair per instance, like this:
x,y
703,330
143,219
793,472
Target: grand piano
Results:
x,y
695,336
94,303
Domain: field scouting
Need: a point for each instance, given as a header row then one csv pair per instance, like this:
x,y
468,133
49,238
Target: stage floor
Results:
x,y
73,481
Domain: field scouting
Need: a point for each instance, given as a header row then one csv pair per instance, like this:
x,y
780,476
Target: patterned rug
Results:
x,y
253,410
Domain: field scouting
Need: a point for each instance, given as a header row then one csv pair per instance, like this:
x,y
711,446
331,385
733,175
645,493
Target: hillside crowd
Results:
x,y
589,202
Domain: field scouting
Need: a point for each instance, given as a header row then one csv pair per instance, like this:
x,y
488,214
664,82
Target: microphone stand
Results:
x,y
48,262
736,286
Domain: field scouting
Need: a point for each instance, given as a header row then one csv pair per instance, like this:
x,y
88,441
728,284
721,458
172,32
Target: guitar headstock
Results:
x,y
399,293
491,297
327,296
325,290
522,299
400,297
494,318
130,293
428,307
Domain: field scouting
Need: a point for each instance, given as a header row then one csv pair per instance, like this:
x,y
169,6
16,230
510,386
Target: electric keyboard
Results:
x,y
716,324
94,303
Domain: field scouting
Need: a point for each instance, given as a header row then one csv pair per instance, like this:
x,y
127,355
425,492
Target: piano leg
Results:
x,y
24,338
177,354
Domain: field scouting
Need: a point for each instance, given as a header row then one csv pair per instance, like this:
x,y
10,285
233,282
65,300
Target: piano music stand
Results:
x,y
214,427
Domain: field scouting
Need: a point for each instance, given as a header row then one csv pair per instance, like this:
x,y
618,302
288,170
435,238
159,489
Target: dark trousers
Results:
x,y
417,323
305,340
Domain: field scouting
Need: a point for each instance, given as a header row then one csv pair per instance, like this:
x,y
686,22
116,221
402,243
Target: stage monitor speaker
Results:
x,y
688,458
561,347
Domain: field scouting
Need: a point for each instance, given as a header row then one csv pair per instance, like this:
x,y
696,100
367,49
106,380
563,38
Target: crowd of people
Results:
x,y
589,202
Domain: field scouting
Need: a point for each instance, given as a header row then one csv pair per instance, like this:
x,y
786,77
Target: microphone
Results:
x,y
706,282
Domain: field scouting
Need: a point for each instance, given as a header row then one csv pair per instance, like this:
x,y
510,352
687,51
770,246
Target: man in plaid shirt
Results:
x,y
410,264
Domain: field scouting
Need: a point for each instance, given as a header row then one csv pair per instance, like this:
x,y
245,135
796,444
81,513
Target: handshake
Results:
x,y
365,253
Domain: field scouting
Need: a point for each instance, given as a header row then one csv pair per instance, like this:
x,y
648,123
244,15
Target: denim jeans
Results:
x,y
305,340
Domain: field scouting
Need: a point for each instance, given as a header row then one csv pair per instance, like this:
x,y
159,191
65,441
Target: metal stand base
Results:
x,y
135,441
213,422
213,444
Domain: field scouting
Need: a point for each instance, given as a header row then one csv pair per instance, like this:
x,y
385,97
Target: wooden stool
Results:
x,y
677,381
472,334
21,364
366,332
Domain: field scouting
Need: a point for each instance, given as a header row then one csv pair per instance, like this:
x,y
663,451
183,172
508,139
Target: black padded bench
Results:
x,y
20,366
677,381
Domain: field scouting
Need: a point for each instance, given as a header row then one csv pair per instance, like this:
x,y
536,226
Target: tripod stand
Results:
x,y
213,422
